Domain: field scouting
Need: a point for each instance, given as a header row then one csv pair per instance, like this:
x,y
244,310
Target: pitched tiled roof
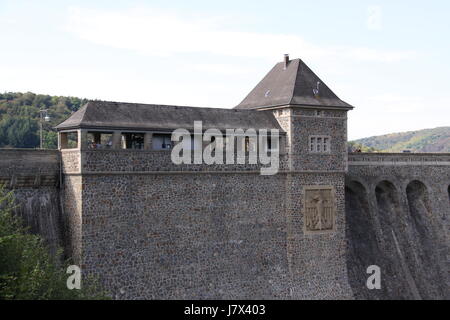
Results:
x,y
118,115
294,85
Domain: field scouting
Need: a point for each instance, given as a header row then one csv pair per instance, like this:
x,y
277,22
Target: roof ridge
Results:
x,y
160,105
143,117
79,115
84,111
295,81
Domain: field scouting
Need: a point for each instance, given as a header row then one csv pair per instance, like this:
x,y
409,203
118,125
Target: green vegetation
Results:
x,y
427,140
358,147
27,270
19,118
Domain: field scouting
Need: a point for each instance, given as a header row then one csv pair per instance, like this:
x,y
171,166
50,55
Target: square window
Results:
x,y
319,144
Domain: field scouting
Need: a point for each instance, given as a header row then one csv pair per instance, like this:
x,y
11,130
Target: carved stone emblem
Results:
x,y
319,209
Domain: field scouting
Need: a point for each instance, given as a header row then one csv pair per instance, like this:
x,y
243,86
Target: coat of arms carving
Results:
x,y
319,209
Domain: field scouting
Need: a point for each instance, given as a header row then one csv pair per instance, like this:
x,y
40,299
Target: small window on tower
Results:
x,y
312,144
319,144
326,146
247,144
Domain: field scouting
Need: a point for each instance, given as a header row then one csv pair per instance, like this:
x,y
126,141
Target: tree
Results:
x,y
27,270
19,118
50,140
19,132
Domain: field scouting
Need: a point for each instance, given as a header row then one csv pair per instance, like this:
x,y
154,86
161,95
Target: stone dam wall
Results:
x,y
34,177
148,231
398,217
152,230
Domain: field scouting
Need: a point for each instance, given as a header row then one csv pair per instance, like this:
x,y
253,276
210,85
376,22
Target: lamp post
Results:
x,y
43,117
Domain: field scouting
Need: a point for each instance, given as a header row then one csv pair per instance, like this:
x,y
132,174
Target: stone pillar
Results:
x,y
97,138
282,144
82,140
148,140
116,140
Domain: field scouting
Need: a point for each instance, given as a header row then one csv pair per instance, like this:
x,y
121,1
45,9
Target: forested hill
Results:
x,y
427,140
19,118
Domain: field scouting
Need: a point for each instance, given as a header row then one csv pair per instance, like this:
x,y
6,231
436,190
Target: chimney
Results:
x,y
286,61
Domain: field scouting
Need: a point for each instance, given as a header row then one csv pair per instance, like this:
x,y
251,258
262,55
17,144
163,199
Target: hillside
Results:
x,y
19,118
427,140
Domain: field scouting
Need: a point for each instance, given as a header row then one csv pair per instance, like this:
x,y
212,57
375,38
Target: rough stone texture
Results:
x,y
149,229
402,200
317,260
218,231
208,236
71,161
72,219
212,240
34,177
132,161
40,210
330,124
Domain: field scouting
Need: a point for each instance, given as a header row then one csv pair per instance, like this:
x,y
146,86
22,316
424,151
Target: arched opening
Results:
x,y
388,202
362,248
425,263
419,207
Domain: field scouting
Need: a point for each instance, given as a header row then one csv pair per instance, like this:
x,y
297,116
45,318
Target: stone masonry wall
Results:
x,y
209,236
186,236
150,230
219,231
402,202
33,176
330,123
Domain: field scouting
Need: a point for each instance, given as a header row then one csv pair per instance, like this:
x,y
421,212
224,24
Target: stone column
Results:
x,y
282,144
148,140
97,138
82,139
116,140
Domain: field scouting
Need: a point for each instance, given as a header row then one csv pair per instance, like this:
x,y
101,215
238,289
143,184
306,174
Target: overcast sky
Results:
x,y
387,58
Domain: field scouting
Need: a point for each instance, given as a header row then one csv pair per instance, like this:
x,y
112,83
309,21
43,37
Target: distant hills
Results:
x,y
426,140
